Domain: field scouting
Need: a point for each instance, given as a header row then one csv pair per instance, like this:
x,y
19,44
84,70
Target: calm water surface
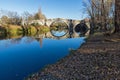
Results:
x,y
23,56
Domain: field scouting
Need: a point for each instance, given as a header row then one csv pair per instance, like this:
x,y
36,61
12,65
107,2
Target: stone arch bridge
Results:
x,y
48,22
71,24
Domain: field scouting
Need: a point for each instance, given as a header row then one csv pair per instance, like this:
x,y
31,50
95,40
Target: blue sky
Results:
x,y
70,9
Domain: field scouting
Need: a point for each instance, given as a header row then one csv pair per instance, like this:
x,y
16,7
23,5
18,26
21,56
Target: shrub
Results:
x,y
14,29
44,29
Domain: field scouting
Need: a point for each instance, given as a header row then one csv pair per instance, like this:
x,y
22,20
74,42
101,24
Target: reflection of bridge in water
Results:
x,y
40,37
67,35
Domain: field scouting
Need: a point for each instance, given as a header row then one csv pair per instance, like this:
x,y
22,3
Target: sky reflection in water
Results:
x,y
23,56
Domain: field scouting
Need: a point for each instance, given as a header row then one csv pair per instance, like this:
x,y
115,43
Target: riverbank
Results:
x,y
14,30
97,59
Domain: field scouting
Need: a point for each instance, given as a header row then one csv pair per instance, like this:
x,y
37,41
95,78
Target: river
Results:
x,y
24,55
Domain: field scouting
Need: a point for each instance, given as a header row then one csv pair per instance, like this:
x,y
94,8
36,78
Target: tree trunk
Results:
x,y
117,16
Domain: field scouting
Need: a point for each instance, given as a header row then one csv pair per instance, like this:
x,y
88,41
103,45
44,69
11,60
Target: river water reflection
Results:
x,y
25,55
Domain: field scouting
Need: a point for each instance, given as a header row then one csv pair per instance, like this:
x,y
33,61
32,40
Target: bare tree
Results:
x,y
25,16
10,17
99,11
14,18
39,15
26,19
117,16
4,20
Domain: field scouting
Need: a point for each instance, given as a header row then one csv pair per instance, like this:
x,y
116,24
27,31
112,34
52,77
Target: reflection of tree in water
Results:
x,y
10,42
60,29
40,41
15,41
59,25
28,40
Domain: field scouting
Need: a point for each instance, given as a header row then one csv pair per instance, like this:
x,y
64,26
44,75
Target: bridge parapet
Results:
x,y
40,22
50,21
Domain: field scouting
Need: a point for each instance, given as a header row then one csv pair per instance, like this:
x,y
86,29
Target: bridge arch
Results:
x,y
59,35
59,28
59,21
67,22
81,28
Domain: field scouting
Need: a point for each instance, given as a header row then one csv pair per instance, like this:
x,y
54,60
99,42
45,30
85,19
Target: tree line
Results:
x,y
10,17
13,23
103,14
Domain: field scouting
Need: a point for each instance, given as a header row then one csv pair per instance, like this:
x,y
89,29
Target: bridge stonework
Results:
x,y
66,21
69,22
48,22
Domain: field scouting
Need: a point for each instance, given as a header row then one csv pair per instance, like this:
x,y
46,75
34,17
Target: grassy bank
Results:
x,y
15,30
